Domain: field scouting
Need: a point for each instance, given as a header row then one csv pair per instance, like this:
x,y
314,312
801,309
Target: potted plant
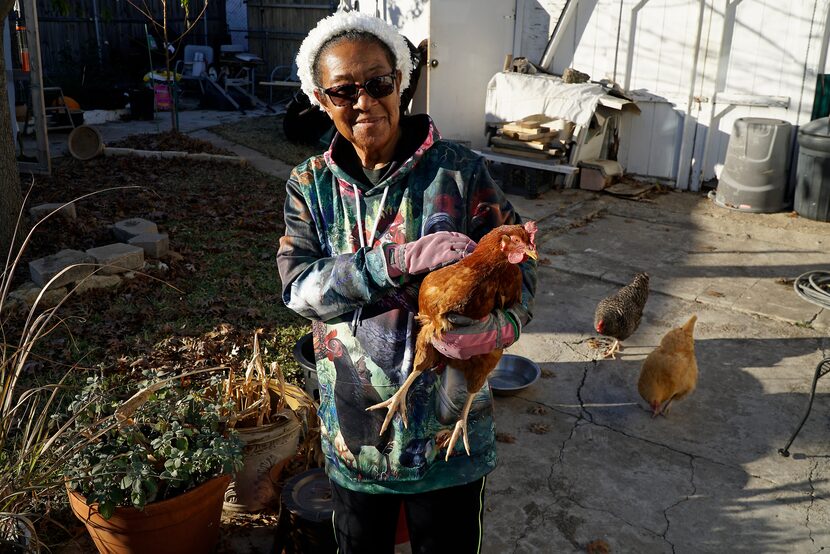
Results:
x,y
265,412
154,478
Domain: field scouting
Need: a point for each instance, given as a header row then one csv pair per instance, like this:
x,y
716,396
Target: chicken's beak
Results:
x,y
532,254
655,409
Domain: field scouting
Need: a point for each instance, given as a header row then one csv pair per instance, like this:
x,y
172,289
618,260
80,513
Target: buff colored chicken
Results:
x,y
670,372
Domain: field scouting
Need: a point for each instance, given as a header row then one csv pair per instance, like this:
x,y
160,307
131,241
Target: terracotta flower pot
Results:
x,y
186,524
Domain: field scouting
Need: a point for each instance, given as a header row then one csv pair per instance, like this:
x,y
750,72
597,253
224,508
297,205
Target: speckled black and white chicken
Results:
x,y
618,315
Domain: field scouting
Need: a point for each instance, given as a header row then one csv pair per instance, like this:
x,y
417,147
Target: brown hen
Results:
x,y
670,371
488,279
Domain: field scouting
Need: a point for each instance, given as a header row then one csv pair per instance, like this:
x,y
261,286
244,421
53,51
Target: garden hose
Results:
x,y
814,287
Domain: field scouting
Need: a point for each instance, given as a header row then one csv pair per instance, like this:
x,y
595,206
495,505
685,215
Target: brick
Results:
x,y
26,295
27,292
155,245
598,174
42,210
117,258
97,282
126,229
43,269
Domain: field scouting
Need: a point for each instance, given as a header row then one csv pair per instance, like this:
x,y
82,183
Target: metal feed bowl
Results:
x,y
513,374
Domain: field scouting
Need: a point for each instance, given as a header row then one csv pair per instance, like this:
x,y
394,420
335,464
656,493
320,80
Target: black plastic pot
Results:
x,y
304,355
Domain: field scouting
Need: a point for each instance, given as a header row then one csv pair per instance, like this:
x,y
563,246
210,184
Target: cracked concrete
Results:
x,y
708,477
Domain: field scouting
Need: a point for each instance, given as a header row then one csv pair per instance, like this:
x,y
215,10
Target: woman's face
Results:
x,y
370,124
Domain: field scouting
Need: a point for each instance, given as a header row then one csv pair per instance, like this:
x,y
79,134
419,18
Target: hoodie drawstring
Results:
x,y
363,244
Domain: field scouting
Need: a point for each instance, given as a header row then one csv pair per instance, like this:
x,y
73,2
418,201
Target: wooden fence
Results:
x,y
277,27
84,38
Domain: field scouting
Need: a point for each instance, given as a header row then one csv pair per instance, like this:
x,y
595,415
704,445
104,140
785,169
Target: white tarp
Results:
x,y
512,96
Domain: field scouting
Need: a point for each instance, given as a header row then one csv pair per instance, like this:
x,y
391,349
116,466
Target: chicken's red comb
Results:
x,y
530,227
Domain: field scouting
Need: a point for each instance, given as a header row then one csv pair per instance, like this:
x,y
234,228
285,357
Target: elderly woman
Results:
x,y
388,202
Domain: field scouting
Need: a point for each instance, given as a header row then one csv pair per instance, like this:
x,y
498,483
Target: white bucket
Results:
x,y
264,447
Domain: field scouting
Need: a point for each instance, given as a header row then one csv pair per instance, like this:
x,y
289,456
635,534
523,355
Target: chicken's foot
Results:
x,y
612,350
461,428
662,410
665,411
397,402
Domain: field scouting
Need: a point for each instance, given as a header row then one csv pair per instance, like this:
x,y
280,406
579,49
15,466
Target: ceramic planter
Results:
x,y
186,524
263,448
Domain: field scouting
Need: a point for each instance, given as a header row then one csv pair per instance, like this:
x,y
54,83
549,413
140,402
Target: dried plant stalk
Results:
x,y
251,394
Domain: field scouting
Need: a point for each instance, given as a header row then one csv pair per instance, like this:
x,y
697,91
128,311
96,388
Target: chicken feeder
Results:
x,y
755,173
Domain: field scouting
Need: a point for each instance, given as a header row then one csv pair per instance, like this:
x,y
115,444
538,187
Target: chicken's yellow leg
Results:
x,y
461,428
397,402
612,350
665,411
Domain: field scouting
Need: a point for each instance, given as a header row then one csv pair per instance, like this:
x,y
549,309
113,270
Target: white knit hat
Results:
x,y
341,22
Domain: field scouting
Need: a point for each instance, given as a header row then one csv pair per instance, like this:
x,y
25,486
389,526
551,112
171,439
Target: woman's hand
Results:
x,y
428,253
474,337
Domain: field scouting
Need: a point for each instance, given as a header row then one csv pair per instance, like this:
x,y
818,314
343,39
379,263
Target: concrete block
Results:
x,y
26,295
598,174
42,210
98,282
117,258
126,229
43,269
155,245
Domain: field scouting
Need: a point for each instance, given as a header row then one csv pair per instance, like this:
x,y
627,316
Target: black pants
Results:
x,y
446,520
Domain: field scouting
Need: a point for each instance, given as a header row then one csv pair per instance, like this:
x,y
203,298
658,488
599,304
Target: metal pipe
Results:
x,y
689,123
724,48
825,39
558,34
97,22
617,48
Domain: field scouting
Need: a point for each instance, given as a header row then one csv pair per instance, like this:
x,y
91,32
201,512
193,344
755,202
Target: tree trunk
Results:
x,y
11,199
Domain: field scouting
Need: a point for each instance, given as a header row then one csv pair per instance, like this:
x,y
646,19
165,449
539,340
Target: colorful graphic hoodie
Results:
x,y
333,273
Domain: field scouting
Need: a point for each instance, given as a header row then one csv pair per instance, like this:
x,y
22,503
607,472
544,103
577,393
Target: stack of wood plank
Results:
x,y
535,136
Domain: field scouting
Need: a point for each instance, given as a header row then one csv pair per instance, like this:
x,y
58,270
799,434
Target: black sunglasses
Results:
x,y
376,87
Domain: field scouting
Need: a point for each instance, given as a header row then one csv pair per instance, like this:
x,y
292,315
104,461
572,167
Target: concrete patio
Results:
x,y
708,477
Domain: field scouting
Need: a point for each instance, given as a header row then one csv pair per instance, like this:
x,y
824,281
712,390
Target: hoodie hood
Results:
x,y
421,125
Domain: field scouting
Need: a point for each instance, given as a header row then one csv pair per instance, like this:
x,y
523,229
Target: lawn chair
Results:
x,y
281,76
196,64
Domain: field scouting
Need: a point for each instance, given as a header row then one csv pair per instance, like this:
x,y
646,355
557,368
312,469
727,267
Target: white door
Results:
x,y
468,41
